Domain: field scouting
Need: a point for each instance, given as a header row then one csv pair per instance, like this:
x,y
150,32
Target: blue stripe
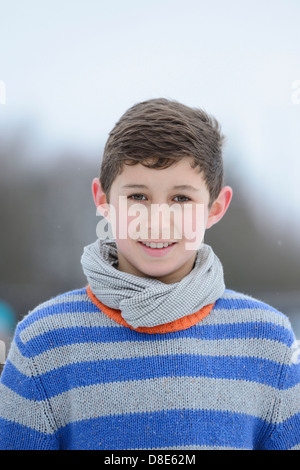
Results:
x,y
292,377
71,335
15,436
19,383
152,430
286,435
82,374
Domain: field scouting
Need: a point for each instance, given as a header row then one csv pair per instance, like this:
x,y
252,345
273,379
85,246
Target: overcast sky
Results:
x,y
72,67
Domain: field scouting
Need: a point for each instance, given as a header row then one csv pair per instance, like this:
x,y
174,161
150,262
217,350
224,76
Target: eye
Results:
x,y
137,197
181,198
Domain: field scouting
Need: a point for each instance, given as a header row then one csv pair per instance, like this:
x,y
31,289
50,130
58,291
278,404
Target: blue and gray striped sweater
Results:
x,y
77,379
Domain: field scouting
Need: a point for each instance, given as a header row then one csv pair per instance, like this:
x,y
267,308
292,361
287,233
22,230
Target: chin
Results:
x,y
153,271
162,272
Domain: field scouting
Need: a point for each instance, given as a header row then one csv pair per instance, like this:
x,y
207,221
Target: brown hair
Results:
x,y
159,132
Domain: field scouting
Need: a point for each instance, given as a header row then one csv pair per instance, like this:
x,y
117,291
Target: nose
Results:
x,y
162,222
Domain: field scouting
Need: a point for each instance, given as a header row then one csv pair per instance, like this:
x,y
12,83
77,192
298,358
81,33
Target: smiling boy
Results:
x,y
178,184
155,353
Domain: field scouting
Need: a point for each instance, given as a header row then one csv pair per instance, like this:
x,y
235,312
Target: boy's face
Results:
x,y
141,198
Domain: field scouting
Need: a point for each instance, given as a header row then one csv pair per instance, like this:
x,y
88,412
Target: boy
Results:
x,y
155,353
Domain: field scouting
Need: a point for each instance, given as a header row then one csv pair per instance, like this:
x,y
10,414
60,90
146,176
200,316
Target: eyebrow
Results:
x,y
182,187
185,187
141,186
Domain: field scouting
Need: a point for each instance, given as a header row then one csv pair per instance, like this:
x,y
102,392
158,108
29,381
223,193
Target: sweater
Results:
x,y
78,377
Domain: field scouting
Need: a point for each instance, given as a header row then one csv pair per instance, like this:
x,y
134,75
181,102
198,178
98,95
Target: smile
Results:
x,y
157,249
157,245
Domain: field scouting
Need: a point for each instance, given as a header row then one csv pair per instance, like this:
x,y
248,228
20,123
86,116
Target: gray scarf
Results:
x,y
146,302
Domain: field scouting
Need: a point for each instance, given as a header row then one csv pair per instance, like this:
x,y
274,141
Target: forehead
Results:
x,y
180,173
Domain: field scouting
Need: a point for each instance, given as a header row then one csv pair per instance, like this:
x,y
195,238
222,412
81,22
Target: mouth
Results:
x,y
157,244
157,249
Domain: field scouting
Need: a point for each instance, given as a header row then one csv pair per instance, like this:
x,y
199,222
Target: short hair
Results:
x,y
159,132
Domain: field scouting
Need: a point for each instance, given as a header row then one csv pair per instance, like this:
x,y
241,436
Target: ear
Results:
x,y
219,206
100,199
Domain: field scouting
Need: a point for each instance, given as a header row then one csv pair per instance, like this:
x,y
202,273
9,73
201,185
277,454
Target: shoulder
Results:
x,y
251,308
252,314
255,329
67,301
57,317
56,333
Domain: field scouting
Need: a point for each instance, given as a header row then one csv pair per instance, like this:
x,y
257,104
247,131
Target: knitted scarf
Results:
x,y
146,302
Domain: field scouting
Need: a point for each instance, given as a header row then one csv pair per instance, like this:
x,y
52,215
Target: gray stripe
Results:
x,y
236,295
168,393
129,397
61,299
84,352
244,315
24,411
66,320
290,402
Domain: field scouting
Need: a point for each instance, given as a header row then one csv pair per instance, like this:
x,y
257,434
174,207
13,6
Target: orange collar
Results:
x,y
176,325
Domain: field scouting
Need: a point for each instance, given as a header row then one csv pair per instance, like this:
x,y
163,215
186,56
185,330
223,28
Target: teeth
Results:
x,y
157,245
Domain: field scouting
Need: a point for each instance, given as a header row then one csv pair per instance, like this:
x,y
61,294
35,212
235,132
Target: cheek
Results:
x,y
134,222
123,245
194,220
119,219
